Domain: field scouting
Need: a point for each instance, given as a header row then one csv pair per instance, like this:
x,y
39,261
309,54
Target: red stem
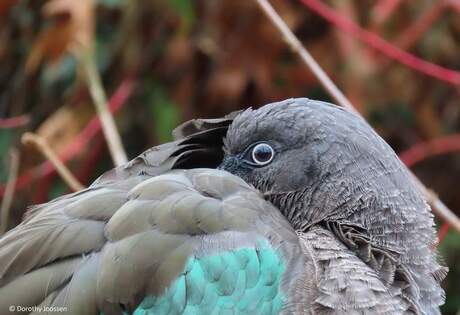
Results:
x,y
379,44
454,4
420,27
117,101
442,233
14,122
383,10
42,192
424,150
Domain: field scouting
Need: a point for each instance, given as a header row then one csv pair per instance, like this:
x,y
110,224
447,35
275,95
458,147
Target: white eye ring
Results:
x,y
262,154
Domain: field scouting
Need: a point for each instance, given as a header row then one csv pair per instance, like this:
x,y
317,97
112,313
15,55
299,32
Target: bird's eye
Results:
x,y
262,154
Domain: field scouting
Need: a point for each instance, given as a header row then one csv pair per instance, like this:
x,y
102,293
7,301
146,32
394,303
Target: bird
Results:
x,y
297,207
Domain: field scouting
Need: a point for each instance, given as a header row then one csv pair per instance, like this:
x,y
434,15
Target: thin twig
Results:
x,y
379,44
439,208
9,191
358,62
100,102
382,11
297,47
423,150
423,23
42,145
415,31
116,102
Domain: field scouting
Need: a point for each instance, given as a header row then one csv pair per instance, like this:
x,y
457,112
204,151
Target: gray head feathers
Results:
x,y
330,168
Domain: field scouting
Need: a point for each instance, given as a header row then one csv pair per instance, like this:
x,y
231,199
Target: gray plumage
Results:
x,y
353,230
334,171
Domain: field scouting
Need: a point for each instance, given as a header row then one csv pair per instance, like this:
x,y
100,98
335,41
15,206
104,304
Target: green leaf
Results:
x,y
6,137
64,72
58,189
165,113
186,11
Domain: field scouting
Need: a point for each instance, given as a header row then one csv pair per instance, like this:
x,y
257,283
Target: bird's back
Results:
x,y
161,235
147,239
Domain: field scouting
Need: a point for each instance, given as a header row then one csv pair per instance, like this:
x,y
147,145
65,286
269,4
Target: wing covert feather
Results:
x,y
139,242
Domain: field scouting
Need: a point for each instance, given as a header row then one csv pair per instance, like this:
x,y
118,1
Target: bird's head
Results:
x,y
314,161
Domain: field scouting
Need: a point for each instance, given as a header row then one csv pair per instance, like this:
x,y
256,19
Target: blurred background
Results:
x,y
165,61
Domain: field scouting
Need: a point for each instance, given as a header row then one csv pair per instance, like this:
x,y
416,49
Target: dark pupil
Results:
x,y
262,153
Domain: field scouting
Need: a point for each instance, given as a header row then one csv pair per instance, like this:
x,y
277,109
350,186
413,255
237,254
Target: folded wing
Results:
x,y
111,249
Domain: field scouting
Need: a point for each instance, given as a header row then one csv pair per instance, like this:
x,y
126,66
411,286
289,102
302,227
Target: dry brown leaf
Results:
x,y
227,83
72,30
61,128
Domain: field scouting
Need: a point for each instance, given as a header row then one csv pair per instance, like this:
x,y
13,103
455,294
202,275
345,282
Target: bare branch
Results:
x,y
426,149
100,102
439,208
44,148
9,190
298,48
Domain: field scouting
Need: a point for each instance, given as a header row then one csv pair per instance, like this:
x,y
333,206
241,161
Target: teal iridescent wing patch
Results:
x,y
241,281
